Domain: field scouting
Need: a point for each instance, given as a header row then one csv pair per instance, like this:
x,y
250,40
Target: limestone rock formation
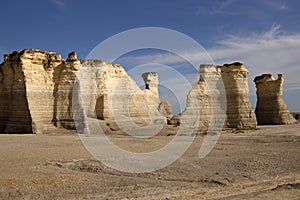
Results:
x,y
270,107
207,97
239,112
39,89
26,90
145,101
151,82
221,96
165,108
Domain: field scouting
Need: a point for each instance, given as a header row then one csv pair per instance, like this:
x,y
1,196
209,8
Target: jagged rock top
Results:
x,y
37,55
233,64
29,53
208,68
233,67
236,66
267,77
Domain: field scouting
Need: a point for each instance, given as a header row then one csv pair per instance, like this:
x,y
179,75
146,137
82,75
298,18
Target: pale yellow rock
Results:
x,y
165,108
239,112
39,89
27,90
199,101
270,107
221,98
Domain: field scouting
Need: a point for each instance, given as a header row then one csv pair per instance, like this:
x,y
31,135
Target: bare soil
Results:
x,y
244,164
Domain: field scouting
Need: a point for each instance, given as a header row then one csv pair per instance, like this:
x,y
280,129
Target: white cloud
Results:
x,y
273,51
223,5
270,52
276,5
59,3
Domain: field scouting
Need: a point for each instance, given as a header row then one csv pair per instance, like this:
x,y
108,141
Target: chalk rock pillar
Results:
x,y
199,103
270,107
151,82
239,112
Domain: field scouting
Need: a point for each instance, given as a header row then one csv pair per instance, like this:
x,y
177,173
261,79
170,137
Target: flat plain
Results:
x,y
244,164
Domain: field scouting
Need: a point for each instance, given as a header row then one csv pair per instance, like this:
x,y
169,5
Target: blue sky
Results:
x,y
264,35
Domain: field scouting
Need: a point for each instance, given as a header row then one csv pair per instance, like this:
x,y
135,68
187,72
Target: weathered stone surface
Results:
x,y
202,99
165,108
296,116
175,120
144,103
65,76
270,107
27,90
239,112
39,89
221,96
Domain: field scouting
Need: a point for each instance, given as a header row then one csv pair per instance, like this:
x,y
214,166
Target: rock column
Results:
x,y
239,112
270,107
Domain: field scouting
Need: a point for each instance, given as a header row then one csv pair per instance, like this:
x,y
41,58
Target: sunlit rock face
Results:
x,y
26,89
39,90
221,98
239,112
270,107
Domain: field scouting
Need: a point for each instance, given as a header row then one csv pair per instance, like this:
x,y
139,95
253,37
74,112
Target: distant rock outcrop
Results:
x,y
270,107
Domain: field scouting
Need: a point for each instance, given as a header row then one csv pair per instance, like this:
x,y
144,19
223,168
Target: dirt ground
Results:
x,y
244,164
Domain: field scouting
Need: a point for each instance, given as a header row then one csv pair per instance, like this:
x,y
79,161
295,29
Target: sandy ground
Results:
x,y
245,164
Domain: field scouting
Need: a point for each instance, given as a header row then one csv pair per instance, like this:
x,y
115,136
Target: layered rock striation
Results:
x,y
270,107
221,97
239,112
40,90
26,90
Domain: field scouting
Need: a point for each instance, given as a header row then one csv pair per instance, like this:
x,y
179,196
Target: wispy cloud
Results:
x,y
273,51
269,52
220,7
276,5
59,3
215,7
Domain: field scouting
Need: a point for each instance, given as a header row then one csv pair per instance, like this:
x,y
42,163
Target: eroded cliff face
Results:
x,y
270,107
239,112
199,102
39,89
221,97
27,90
